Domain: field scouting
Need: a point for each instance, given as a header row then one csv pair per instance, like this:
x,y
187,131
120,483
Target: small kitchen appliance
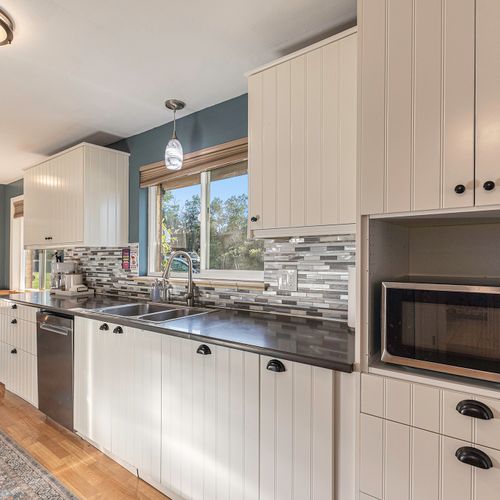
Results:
x,y
449,327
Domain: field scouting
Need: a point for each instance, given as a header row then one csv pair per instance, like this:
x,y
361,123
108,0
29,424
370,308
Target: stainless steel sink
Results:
x,y
138,309
152,311
173,314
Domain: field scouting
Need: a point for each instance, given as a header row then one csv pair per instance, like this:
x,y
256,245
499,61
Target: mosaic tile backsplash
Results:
x,y
321,263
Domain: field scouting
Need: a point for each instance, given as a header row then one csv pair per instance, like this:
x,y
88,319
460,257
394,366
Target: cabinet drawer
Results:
x,y
18,333
432,409
18,311
399,462
20,373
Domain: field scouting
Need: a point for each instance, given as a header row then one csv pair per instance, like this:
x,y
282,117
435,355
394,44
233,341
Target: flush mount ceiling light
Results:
x,y
6,29
173,152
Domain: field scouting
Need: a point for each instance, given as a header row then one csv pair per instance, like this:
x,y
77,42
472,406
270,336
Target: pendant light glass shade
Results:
x,y
174,154
6,29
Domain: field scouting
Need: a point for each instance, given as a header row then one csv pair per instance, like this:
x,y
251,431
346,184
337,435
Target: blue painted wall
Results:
x,y
7,191
221,123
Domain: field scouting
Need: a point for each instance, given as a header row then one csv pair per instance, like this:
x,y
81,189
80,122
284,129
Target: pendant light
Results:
x,y
173,152
6,29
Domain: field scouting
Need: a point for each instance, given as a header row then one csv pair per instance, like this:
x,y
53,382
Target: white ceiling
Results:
x,y
101,69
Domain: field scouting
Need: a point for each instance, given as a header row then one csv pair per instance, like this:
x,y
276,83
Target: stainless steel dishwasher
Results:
x,y
55,367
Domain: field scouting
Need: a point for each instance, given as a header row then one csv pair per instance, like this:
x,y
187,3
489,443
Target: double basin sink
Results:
x,y
152,311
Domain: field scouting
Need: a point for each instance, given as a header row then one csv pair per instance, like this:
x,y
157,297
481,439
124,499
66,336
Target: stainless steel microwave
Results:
x,y
447,328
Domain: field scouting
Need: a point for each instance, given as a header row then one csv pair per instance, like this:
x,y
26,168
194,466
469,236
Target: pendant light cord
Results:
x,y
174,135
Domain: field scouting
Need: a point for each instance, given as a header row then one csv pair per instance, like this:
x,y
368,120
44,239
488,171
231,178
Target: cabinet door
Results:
x,y
83,340
487,481
93,377
21,376
4,362
488,103
302,139
66,197
136,399
36,205
209,421
456,476
296,435
417,104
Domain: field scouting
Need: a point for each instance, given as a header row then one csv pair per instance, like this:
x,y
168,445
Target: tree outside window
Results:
x,y
217,202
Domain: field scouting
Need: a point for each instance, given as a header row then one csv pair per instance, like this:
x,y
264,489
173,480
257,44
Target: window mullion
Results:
x,y
205,221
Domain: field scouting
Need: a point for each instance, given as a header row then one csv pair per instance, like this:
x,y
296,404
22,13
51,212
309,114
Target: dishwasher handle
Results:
x,y
60,330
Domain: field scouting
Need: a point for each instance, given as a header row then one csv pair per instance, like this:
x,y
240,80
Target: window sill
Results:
x,y
254,281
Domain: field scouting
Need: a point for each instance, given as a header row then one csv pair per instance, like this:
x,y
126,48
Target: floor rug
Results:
x,y
22,477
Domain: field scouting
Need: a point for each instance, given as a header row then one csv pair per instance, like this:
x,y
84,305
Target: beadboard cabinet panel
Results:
x,y
18,311
117,392
19,372
302,138
296,433
417,104
420,465
106,197
210,415
371,458
429,408
19,333
79,196
487,101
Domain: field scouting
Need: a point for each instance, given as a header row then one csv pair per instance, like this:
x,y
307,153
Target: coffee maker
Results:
x,y
59,271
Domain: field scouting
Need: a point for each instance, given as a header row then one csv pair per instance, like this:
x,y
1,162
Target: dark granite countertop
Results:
x,y
328,344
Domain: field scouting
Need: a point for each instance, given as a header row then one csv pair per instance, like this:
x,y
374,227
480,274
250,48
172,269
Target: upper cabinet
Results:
x,y
429,104
78,197
302,139
487,102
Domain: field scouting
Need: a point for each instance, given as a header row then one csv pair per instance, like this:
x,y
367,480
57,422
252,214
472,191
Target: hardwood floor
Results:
x,y
82,468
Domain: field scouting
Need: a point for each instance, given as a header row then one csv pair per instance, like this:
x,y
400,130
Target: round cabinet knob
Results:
x,y
255,218
275,365
14,306
118,329
204,350
13,322
472,456
460,189
14,351
104,327
474,409
489,186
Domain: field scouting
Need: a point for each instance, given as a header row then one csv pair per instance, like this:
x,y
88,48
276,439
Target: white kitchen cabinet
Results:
x,y
136,399
18,360
296,431
19,372
417,106
302,139
93,377
118,392
18,333
210,421
487,102
430,408
77,197
401,462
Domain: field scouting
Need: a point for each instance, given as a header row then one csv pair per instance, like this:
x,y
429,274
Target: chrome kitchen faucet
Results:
x,y
166,295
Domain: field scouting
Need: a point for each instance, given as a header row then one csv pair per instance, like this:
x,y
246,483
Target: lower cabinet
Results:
x,y
210,421
202,421
399,462
118,392
296,431
18,362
